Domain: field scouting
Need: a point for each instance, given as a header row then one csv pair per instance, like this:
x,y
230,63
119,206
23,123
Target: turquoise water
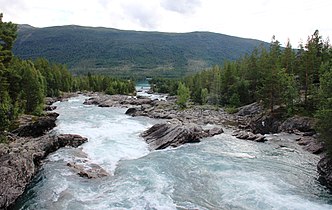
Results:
x,y
219,173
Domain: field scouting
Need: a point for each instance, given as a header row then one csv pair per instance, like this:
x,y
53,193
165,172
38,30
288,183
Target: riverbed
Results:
x,y
220,172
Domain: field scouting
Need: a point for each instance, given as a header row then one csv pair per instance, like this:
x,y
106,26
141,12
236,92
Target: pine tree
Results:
x,y
183,94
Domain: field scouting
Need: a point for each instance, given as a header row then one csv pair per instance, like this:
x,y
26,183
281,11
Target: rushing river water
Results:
x,y
219,173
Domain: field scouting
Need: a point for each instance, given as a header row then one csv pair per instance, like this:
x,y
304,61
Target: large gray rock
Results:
x,y
161,136
311,144
32,126
246,135
250,109
324,168
20,161
88,170
176,133
297,123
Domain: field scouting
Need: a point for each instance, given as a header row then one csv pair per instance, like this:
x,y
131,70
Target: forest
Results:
x,y
121,53
296,81
25,83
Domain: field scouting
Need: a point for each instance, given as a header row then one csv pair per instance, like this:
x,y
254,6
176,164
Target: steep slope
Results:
x,y
122,53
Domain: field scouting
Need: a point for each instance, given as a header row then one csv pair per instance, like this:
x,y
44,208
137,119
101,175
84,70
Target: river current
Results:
x,y
221,172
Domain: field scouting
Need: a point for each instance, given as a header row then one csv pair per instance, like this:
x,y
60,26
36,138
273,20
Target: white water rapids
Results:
x,y
219,173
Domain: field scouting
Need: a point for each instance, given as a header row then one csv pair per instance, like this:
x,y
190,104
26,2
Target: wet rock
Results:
x,y
246,135
250,110
324,168
32,126
20,160
175,133
297,123
311,144
88,170
91,101
214,131
161,136
49,108
131,111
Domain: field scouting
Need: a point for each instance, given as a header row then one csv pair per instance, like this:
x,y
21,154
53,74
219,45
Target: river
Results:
x,y
221,172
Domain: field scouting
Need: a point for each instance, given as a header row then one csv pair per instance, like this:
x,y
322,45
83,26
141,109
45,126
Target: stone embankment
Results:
x,y
21,156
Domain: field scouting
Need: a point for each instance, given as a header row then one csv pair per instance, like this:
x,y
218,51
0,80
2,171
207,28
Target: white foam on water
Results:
x,y
112,135
218,173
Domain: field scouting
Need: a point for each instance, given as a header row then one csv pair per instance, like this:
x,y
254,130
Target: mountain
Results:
x,y
135,53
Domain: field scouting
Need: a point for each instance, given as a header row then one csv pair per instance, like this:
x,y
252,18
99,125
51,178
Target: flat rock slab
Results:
x,y
161,136
20,160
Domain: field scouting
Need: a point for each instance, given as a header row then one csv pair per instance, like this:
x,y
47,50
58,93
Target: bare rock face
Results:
x,y
246,135
311,144
297,123
116,100
324,168
88,170
36,127
250,110
161,136
20,160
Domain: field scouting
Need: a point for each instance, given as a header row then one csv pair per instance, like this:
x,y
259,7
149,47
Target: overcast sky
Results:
x,y
257,19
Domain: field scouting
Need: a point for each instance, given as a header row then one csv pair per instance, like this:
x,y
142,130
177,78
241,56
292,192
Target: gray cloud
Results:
x,y
146,17
181,6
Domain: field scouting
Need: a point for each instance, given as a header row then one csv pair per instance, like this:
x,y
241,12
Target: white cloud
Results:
x,y
258,19
181,6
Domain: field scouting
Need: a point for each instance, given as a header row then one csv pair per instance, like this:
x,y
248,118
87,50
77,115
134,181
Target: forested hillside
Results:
x,y
282,79
25,83
122,53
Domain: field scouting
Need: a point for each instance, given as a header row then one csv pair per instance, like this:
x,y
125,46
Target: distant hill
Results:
x,y
135,53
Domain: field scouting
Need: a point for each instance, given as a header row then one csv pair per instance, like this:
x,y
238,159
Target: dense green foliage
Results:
x,y
25,83
298,80
122,53
183,95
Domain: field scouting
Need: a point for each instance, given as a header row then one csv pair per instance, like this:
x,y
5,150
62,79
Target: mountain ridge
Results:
x,y
119,52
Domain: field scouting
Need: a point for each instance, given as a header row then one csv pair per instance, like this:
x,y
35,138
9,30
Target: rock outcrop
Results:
x,y
247,135
161,136
311,144
32,126
116,100
297,123
21,159
324,168
88,170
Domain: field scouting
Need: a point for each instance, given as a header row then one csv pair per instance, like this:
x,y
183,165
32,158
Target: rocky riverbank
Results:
x,y
21,156
251,122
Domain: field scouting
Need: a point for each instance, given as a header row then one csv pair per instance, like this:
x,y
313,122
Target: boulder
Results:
x,y
250,109
214,131
324,168
265,124
91,101
311,144
131,111
21,159
88,170
35,126
297,123
246,135
161,136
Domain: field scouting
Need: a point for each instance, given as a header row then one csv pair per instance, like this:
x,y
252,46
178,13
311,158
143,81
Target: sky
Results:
x,y
257,19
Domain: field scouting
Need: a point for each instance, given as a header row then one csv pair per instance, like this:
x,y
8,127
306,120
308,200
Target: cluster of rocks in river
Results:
x,y
29,144
175,133
251,120
21,157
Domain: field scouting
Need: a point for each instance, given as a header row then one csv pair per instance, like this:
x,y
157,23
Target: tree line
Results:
x,y
25,83
298,80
